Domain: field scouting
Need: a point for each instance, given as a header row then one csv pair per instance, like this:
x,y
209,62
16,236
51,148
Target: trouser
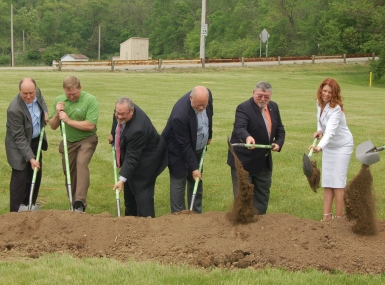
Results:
x,y
262,184
79,157
178,189
21,180
141,204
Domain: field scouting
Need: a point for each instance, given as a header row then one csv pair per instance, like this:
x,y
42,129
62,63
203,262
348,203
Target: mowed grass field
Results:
x,y
294,89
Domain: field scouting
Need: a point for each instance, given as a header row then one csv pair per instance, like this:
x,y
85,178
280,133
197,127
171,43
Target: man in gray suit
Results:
x,y
26,115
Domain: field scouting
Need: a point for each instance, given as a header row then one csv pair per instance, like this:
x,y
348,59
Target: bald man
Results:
x,y
188,131
26,115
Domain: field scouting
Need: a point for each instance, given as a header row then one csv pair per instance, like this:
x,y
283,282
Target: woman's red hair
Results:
x,y
336,93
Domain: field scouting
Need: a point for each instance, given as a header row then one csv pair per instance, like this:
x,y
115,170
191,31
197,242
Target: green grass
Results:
x,y
156,92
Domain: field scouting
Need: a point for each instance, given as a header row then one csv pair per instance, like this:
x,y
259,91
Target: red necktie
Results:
x,y
117,144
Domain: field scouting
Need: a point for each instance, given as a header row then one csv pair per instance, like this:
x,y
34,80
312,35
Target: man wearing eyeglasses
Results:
x,y
188,131
141,155
79,111
257,121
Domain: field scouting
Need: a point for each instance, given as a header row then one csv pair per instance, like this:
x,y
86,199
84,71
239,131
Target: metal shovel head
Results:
x,y
307,168
365,154
23,207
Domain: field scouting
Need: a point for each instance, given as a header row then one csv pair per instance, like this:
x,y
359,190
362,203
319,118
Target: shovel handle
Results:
x,y
252,145
381,148
311,151
197,179
117,198
68,175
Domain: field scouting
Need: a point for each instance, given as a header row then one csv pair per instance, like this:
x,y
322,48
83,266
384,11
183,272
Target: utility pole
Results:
x,y
99,45
23,43
12,59
203,30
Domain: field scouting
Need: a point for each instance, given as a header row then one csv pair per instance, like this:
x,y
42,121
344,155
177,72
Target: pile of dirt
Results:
x,y
204,240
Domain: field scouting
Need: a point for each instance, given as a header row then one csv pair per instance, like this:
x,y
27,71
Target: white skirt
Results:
x,y
335,165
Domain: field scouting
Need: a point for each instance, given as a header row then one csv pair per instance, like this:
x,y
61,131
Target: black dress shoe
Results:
x,y
79,206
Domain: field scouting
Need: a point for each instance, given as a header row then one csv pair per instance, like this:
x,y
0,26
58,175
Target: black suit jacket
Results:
x,y
181,135
249,122
143,152
19,131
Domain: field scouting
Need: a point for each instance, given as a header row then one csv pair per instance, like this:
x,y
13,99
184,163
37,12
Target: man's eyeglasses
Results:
x,y
122,114
267,97
204,106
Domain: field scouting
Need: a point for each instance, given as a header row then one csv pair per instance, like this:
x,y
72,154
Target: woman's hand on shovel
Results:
x,y
118,185
315,148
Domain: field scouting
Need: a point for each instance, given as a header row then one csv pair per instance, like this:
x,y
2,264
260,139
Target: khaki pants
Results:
x,y
79,156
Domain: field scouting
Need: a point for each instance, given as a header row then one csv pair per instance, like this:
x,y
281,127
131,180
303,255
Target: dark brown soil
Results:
x,y
203,240
243,209
360,202
238,239
314,179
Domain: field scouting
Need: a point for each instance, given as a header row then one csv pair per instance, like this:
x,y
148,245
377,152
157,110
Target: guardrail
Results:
x,y
59,65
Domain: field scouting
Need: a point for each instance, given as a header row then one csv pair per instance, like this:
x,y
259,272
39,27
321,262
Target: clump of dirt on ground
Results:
x,y
243,208
314,179
360,202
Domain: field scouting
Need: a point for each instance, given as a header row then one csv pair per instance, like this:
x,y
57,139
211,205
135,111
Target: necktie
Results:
x,y
267,122
117,144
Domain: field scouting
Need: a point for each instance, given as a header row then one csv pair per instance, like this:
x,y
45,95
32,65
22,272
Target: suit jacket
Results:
x,y
332,123
143,152
181,135
19,131
249,122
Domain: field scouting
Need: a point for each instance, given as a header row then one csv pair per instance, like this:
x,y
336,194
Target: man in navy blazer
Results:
x,y
188,131
26,115
257,121
143,156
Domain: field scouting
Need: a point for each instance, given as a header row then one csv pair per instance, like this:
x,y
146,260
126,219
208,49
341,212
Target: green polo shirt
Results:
x,y
84,109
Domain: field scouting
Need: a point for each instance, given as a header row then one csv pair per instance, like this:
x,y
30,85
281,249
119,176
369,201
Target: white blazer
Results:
x,y
332,123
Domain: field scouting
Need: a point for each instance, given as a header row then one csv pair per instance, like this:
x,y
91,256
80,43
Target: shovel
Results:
x,y
367,153
307,168
246,144
116,180
197,179
35,207
63,129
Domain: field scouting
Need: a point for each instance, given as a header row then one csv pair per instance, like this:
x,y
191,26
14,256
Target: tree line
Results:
x,y
296,27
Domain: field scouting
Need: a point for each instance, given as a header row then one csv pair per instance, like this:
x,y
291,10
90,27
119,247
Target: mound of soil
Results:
x,y
205,240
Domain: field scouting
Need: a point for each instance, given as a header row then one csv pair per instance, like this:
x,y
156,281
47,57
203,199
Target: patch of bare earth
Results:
x,y
204,240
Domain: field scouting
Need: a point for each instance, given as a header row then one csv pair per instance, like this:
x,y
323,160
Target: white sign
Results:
x,y
264,35
204,30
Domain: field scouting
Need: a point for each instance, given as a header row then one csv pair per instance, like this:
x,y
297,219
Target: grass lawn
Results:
x,y
294,88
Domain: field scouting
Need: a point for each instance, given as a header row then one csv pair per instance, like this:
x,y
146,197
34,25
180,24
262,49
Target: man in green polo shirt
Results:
x,y
79,111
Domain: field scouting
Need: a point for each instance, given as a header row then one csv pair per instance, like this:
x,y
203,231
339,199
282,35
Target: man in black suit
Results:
x,y
257,121
26,115
188,131
143,156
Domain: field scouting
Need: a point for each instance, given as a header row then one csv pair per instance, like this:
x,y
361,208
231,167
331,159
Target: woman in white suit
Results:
x,y
336,144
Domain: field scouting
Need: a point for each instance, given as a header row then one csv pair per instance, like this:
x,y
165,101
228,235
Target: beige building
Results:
x,y
134,48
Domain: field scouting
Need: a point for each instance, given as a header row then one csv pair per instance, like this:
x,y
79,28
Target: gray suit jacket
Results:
x,y
19,131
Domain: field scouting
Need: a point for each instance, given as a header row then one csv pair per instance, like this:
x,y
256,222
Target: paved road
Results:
x,y
190,65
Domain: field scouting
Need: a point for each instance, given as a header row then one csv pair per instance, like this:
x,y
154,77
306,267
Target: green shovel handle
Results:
x,y
311,151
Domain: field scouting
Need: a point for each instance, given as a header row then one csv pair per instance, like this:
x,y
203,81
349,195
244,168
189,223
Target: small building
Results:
x,y
74,57
134,48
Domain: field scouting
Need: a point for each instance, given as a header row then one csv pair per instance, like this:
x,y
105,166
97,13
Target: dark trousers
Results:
x,y
142,204
21,181
178,191
262,184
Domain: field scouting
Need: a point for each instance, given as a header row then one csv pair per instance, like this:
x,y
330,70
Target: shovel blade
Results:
x,y
23,208
365,154
307,168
